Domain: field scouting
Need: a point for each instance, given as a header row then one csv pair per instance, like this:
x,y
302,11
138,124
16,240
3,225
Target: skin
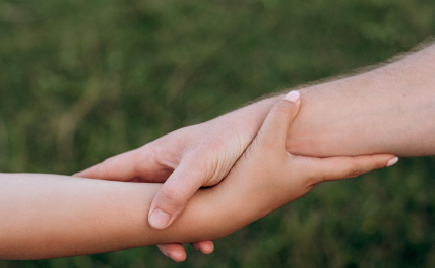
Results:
x,y
389,109
386,110
56,216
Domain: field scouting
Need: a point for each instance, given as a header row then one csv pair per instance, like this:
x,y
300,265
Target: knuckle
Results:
x,y
149,152
211,166
173,196
156,153
283,110
200,163
355,171
104,168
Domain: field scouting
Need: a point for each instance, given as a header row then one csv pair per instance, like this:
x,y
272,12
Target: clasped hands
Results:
x,y
247,148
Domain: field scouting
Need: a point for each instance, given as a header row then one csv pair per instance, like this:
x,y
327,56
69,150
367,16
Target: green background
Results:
x,y
83,80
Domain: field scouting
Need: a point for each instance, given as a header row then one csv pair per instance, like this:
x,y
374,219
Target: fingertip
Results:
x,y
169,202
382,160
79,174
158,219
293,96
178,255
174,251
275,126
205,247
92,172
392,161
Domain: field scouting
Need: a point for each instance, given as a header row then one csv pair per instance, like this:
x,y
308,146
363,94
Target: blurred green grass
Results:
x,y
81,81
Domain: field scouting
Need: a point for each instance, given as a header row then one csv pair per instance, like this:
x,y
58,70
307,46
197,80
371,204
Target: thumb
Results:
x,y
170,200
279,119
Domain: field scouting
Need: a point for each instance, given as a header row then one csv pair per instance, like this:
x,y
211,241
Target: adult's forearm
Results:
x,y
388,110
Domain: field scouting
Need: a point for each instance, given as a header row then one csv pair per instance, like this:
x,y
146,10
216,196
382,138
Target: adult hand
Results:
x,y
267,169
185,160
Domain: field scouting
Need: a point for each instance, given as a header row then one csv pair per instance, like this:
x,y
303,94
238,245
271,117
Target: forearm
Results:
x,y
46,216
387,110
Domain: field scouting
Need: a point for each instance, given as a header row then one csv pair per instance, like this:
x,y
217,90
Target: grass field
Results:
x,y
81,81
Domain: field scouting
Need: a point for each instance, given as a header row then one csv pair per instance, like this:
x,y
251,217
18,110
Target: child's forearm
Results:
x,y
47,216
390,109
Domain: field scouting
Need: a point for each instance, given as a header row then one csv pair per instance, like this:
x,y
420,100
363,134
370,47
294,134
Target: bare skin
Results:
x,y
386,110
47,216
390,109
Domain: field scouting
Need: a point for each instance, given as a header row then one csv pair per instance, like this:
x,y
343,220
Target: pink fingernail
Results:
x,y
293,96
392,161
159,219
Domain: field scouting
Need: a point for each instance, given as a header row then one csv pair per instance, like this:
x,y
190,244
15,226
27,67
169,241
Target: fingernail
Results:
x,y
159,219
293,96
392,161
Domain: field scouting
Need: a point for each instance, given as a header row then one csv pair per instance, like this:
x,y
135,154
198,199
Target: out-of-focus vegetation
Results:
x,y
81,81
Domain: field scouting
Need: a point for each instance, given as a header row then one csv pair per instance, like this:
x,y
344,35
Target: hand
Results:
x,y
186,159
267,176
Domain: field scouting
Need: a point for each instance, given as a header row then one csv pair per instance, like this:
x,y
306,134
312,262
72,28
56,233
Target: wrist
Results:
x,y
247,120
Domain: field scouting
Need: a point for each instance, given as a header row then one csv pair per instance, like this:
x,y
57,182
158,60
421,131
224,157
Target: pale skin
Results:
x,y
50,216
390,109
387,110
